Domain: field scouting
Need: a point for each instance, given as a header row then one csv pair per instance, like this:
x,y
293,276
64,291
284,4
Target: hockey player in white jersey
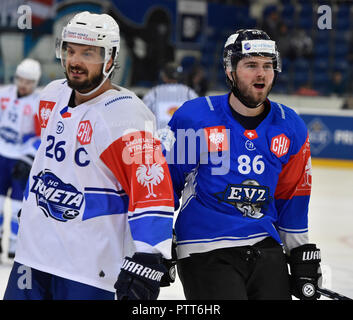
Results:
x,y
98,210
164,99
19,127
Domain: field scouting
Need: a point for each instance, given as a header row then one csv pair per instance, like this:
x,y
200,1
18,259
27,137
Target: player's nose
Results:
x,y
75,60
260,73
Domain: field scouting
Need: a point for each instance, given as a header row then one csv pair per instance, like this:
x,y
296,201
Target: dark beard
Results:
x,y
247,100
87,85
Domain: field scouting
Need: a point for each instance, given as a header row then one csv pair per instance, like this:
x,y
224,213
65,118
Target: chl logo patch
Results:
x,y
84,133
280,145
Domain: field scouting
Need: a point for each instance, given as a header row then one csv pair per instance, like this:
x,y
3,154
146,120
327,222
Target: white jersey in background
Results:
x,y
18,121
88,205
165,99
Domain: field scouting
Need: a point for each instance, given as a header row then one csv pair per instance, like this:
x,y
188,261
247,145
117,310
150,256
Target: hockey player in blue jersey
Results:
x,y
241,165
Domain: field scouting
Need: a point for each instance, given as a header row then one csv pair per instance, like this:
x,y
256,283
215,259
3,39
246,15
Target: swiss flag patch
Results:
x,y
216,138
45,109
251,134
280,145
84,133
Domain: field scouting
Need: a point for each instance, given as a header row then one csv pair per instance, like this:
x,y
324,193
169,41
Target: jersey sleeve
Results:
x,y
292,198
36,125
136,160
31,139
5,93
30,149
182,148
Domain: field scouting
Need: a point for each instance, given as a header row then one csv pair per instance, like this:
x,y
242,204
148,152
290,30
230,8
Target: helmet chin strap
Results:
x,y
96,88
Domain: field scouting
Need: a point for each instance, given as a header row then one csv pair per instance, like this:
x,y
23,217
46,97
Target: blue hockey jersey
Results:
x,y
238,186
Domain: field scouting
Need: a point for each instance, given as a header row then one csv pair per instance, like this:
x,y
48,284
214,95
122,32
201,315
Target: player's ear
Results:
x,y
229,75
109,64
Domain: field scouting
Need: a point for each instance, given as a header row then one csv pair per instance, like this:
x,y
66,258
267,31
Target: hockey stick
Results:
x,y
332,295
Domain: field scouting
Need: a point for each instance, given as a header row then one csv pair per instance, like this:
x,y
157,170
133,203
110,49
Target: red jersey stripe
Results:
x,y
295,178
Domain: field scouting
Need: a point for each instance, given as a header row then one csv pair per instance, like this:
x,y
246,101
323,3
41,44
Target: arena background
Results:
x,y
315,39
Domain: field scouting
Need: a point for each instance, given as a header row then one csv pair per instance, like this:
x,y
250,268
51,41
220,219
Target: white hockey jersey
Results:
x,y
99,188
165,99
18,122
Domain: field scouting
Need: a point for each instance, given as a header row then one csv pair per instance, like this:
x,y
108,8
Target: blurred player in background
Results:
x,y
18,128
98,211
166,98
245,185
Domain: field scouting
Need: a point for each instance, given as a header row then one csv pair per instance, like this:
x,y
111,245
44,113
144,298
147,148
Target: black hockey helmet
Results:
x,y
246,43
173,71
249,42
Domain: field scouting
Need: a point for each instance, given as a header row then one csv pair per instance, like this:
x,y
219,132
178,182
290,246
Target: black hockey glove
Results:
x,y
305,271
169,276
22,168
140,277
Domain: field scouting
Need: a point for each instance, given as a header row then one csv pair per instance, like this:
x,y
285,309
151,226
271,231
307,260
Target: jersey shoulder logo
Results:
x,y
280,145
84,134
149,176
45,109
216,138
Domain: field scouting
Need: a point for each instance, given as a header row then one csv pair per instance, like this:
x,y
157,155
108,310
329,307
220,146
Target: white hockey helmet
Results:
x,y
29,69
91,29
